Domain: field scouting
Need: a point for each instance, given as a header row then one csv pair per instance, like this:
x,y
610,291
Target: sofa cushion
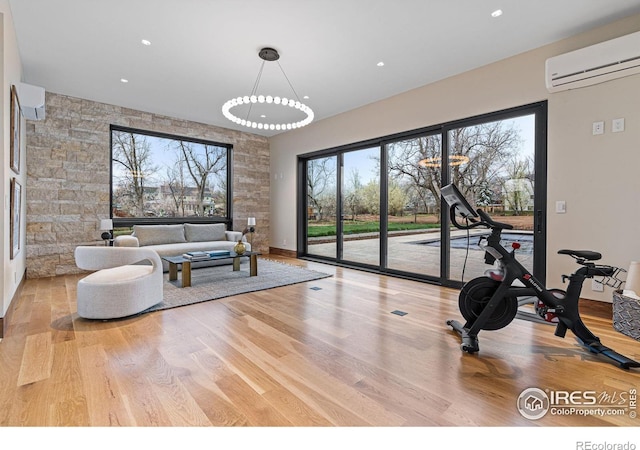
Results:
x,y
159,234
205,232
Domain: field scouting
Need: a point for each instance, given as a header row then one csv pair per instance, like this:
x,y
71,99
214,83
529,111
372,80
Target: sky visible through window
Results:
x,y
367,163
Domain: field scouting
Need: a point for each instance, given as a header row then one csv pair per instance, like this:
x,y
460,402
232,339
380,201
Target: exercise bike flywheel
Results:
x,y
475,295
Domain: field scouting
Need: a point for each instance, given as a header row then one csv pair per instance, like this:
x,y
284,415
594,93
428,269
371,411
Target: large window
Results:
x,y
377,204
158,178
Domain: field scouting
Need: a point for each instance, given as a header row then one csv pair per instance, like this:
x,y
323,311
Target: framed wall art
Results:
x,y
15,130
15,211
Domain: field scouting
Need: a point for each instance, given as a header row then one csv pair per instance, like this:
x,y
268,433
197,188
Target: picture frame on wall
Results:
x,y
15,211
15,130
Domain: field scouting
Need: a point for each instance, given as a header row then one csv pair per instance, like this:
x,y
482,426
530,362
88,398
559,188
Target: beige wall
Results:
x,y
593,174
68,164
11,71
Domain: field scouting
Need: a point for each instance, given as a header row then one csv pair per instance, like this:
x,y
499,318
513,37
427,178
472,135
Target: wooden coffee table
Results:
x,y
180,262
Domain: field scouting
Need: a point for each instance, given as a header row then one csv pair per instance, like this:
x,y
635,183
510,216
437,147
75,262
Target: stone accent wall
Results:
x,y
68,176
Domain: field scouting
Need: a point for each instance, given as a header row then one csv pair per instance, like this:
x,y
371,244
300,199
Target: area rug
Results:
x,y
213,283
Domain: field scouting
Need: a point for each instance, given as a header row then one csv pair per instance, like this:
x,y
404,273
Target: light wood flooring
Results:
x,y
291,356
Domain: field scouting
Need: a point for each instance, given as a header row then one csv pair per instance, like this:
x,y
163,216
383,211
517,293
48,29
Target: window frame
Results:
x,y
127,222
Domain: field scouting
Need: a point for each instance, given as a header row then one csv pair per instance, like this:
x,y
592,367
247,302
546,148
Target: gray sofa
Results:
x,y
174,240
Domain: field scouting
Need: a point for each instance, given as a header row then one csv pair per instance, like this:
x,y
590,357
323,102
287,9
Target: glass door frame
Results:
x,y
538,109
302,204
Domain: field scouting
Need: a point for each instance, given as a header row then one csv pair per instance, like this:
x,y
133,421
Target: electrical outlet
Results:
x,y
596,286
598,128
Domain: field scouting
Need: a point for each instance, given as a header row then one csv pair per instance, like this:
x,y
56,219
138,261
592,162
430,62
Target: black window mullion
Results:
x,y
384,207
445,234
339,223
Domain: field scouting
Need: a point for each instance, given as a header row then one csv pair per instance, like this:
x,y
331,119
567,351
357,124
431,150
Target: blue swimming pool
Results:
x,y
525,240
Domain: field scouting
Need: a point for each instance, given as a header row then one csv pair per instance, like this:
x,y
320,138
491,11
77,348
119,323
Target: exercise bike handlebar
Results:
x,y
473,222
492,223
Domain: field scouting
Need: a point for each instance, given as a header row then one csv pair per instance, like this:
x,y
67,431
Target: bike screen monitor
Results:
x,y
454,197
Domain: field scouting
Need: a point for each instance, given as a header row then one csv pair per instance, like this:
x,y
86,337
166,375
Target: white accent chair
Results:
x,y
120,287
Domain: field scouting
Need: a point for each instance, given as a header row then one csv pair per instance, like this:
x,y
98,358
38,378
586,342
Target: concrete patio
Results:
x,y
408,253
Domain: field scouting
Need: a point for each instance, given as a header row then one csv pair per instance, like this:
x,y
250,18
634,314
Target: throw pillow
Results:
x,y
205,232
159,234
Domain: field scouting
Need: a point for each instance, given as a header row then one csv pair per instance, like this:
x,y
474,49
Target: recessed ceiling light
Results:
x,y
496,13
380,64
262,116
124,80
146,42
306,97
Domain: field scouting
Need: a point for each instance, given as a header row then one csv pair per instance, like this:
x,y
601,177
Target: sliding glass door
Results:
x,y
360,204
378,205
413,206
493,165
320,218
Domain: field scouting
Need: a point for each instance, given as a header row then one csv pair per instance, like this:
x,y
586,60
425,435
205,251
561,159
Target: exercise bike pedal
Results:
x,y
561,329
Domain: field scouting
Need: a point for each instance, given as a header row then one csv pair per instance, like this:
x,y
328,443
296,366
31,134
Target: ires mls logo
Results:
x,y
534,403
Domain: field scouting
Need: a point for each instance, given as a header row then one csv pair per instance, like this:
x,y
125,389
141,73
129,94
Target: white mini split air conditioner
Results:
x,y
598,63
31,101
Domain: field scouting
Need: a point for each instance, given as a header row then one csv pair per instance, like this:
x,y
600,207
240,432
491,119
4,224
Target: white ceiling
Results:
x,y
204,52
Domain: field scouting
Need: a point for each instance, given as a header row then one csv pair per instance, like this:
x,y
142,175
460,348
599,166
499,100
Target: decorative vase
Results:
x,y
240,248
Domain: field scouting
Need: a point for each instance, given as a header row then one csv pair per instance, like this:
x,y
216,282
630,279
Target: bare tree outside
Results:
x,y
353,195
176,186
517,187
321,186
489,148
133,153
422,185
202,162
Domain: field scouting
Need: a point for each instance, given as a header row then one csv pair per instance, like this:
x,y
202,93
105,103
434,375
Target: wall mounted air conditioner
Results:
x,y
606,61
31,101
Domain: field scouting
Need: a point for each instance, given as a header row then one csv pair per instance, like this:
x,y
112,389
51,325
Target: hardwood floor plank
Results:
x,y
238,363
180,406
297,412
69,406
250,403
37,359
104,398
130,361
408,404
11,353
219,409
343,395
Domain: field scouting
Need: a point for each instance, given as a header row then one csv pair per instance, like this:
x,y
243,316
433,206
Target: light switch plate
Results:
x,y
617,125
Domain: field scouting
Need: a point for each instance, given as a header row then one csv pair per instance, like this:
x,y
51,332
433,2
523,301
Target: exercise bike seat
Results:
x,y
581,254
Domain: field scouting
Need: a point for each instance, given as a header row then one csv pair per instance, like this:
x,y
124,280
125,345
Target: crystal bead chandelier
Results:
x,y
267,54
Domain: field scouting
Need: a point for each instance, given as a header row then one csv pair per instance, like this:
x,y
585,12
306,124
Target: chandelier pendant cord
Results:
x,y
287,78
257,83
255,87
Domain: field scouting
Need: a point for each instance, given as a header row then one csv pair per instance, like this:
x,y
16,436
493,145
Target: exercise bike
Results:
x,y
491,302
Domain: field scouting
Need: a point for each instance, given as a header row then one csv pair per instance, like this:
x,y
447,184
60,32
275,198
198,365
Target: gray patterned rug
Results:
x,y
213,283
